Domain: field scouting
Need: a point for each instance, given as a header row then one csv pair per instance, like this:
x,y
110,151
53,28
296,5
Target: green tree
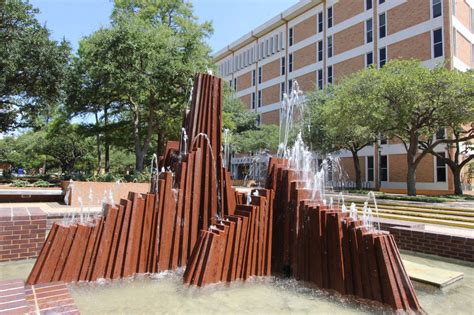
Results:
x,y
455,139
66,146
346,117
245,135
417,102
144,63
32,67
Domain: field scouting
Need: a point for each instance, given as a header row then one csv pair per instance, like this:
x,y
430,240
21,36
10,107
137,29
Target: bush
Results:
x,y
41,183
143,177
20,183
108,177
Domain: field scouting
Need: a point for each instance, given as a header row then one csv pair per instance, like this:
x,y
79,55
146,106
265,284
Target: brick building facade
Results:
x,y
318,42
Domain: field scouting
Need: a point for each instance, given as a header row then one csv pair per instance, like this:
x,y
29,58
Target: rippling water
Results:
x,y
165,293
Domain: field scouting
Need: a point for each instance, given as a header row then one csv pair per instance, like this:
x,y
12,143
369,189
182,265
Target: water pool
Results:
x,y
165,293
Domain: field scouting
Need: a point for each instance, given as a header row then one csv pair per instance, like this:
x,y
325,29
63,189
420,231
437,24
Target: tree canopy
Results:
x,y
32,67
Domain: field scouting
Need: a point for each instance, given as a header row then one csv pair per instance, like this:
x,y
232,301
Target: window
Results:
x,y
230,83
382,56
383,168
282,91
381,1
290,86
368,4
329,17
436,7
254,79
290,63
259,75
259,99
370,168
282,65
320,22
258,120
253,100
368,31
290,39
330,46
382,25
235,84
320,50
369,59
437,43
440,168
440,134
320,79
383,139
330,74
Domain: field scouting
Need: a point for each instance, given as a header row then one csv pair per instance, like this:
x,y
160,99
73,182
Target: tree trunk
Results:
x,y
358,177
411,179
457,180
412,163
99,153
106,141
139,161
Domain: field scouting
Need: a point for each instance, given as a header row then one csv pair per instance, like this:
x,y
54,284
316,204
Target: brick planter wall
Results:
x,y
412,236
22,232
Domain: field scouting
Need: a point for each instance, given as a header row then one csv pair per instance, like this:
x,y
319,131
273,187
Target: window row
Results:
x,y
259,51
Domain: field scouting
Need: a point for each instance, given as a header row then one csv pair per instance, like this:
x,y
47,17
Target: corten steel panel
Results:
x,y
229,245
114,247
64,253
346,251
53,255
91,249
237,229
178,221
364,264
75,260
355,258
407,285
373,268
336,265
196,198
103,253
122,245
192,263
146,233
187,193
396,272
168,213
133,241
389,287
202,259
40,261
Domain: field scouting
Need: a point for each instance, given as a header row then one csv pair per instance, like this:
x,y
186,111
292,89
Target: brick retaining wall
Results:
x,y
413,236
22,232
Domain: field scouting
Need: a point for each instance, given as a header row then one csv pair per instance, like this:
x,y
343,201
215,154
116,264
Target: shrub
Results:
x,y
41,183
20,183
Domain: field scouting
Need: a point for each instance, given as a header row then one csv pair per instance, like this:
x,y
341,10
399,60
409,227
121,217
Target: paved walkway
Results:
x,y
51,208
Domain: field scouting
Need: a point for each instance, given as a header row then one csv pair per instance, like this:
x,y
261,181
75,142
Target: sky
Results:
x,y
73,19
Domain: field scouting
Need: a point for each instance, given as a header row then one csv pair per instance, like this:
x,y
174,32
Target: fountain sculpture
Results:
x,y
194,218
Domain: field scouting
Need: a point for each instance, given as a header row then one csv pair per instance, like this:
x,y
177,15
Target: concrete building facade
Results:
x,y
318,42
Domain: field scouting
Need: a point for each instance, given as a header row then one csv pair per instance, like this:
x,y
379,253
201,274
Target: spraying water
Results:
x,y
184,142
287,113
68,192
371,195
226,148
219,208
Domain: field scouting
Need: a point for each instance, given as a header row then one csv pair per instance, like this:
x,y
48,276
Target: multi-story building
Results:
x,y
319,42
